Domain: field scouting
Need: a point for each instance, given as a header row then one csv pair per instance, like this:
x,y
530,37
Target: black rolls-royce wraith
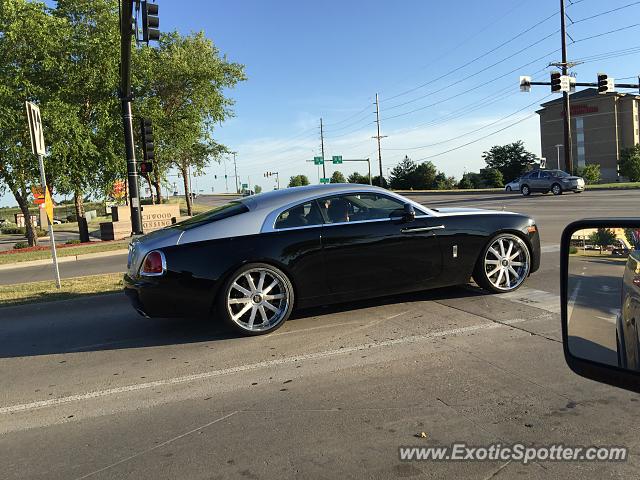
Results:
x,y
252,261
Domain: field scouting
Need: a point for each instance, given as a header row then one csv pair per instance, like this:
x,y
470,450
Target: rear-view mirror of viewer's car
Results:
x,y
600,295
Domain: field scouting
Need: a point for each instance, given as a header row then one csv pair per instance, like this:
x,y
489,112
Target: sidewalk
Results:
x,y
70,258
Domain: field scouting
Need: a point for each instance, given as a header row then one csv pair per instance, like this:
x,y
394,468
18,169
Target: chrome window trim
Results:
x,y
164,265
269,223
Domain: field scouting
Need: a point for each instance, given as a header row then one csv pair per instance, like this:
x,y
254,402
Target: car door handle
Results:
x,y
421,229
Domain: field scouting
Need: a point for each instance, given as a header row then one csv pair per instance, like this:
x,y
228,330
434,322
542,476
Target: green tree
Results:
x,y
401,175
424,177
602,237
30,44
633,237
298,181
355,177
630,163
180,86
445,183
87,153
376,181
257,189
337,177
591,173
465,182
492,178
511,160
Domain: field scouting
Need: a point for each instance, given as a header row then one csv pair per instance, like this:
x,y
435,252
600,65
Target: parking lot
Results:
x,y
92,390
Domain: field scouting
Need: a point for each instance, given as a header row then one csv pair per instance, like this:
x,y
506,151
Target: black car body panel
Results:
x,y
629,317
332,262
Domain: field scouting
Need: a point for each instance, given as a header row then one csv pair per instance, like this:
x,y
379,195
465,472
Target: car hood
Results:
x,y
466,211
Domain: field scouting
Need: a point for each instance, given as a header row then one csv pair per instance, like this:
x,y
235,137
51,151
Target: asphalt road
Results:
x,y
92,390
595,286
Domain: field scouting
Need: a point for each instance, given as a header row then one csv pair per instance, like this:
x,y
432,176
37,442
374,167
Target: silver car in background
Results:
x,y
513,185
554,181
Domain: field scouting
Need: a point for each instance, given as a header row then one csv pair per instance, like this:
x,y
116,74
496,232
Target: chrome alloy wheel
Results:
x,y
507,262
258,299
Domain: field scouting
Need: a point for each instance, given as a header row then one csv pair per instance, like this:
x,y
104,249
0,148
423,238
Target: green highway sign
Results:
x,y
337,159
325,180
245,185
318,160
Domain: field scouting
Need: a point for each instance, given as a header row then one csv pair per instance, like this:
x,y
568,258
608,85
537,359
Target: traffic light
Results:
x,y
148,155
556,80
605,84
150,22
215,177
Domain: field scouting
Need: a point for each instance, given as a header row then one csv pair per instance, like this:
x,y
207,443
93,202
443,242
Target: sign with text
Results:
x,y
318,160
35,129
337,159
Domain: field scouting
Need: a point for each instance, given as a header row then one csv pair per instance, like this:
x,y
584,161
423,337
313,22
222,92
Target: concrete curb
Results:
x,y
70,258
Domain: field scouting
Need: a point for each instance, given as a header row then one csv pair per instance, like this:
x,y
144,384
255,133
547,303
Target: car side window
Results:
x,y
359,207
303,215
544,175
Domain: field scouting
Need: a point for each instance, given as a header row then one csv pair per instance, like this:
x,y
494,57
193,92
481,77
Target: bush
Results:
x,y
573,250
72,218
12,230
72,242
20,245
591,173
21,231
630,163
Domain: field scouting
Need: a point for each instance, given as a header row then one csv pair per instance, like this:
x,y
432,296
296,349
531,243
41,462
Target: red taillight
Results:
x,y
153,264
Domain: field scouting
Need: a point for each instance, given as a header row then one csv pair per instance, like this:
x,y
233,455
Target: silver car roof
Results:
x,y
264,207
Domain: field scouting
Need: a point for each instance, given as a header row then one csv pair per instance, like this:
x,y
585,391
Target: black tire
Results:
x,y
508,189
285,287
556,189
480,273
525,190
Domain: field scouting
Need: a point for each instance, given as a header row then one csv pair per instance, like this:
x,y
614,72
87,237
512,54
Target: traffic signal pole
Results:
x,y
568,145
126,31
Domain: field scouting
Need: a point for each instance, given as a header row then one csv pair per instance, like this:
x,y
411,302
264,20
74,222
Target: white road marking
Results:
x,y
23,407
534,298
572,300
201,427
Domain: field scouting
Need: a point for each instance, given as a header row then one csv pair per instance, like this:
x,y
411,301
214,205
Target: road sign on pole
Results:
x,y
325,180
337,159
38,148
318,161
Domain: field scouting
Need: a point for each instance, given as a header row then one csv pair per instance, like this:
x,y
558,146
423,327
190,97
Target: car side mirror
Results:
x,y
409,213
600,300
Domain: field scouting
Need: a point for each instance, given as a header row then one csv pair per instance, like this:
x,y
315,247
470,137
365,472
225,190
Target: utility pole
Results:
x,y
235,169
226,180
126,31
324,173
568,146
378,137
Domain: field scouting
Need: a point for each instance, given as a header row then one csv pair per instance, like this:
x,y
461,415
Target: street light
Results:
x,y
558,149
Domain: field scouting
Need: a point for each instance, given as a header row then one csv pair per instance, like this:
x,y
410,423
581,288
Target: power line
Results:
x,y
478,139
448,52
421,147
606,33
471,89
604,13
473,60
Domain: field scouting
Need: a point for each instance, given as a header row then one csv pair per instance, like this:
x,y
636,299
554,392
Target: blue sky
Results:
x,y
306,60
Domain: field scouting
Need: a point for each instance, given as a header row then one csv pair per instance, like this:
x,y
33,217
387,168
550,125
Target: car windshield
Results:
x,y
217,213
